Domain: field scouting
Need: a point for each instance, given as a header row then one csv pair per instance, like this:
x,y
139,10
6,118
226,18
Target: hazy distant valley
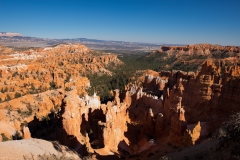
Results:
x,y
21,41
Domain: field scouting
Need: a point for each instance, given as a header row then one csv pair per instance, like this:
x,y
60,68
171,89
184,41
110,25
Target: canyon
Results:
x,y
44,94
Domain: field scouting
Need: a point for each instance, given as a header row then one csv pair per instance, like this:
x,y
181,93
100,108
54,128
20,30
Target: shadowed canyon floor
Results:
x,y
140,114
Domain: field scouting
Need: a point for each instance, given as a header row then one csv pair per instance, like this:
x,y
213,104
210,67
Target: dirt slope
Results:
x,y
34,149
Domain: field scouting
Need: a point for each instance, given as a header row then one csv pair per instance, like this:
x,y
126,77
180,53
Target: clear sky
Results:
x,y
152,21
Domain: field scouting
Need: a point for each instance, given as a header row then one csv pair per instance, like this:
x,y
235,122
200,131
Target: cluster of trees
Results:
x,y
104,84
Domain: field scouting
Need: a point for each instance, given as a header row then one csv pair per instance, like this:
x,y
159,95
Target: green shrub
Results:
x,y
67,89
24,124
27,112
19,111
29,107
8,98
67,78
17,95
33,90
4,90
53,85
4,138
231,128
17,136
46,118
14,74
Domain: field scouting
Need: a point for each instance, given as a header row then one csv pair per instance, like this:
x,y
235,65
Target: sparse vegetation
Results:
x,y
17,95
27,112
29,107
19,111
67,78
4,138
15,74
4,90
17,136
39,97
33,90
50,157
230,129
229,141
24,124
46,118
67,89
53,85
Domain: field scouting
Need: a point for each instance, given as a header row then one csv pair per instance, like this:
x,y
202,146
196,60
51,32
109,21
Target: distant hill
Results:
x,y
17,40
9,34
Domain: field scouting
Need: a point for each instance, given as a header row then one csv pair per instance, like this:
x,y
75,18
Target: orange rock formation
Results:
x,y
43,95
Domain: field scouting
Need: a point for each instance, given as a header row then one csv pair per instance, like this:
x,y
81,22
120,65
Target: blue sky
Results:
x,y
152,21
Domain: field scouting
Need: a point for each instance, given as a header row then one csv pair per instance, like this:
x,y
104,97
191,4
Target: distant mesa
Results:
x,y
9,34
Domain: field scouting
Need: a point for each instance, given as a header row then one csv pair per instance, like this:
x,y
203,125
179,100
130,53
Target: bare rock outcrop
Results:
x,y
178,127
35,149
115,126
191,136
26,133
72,116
